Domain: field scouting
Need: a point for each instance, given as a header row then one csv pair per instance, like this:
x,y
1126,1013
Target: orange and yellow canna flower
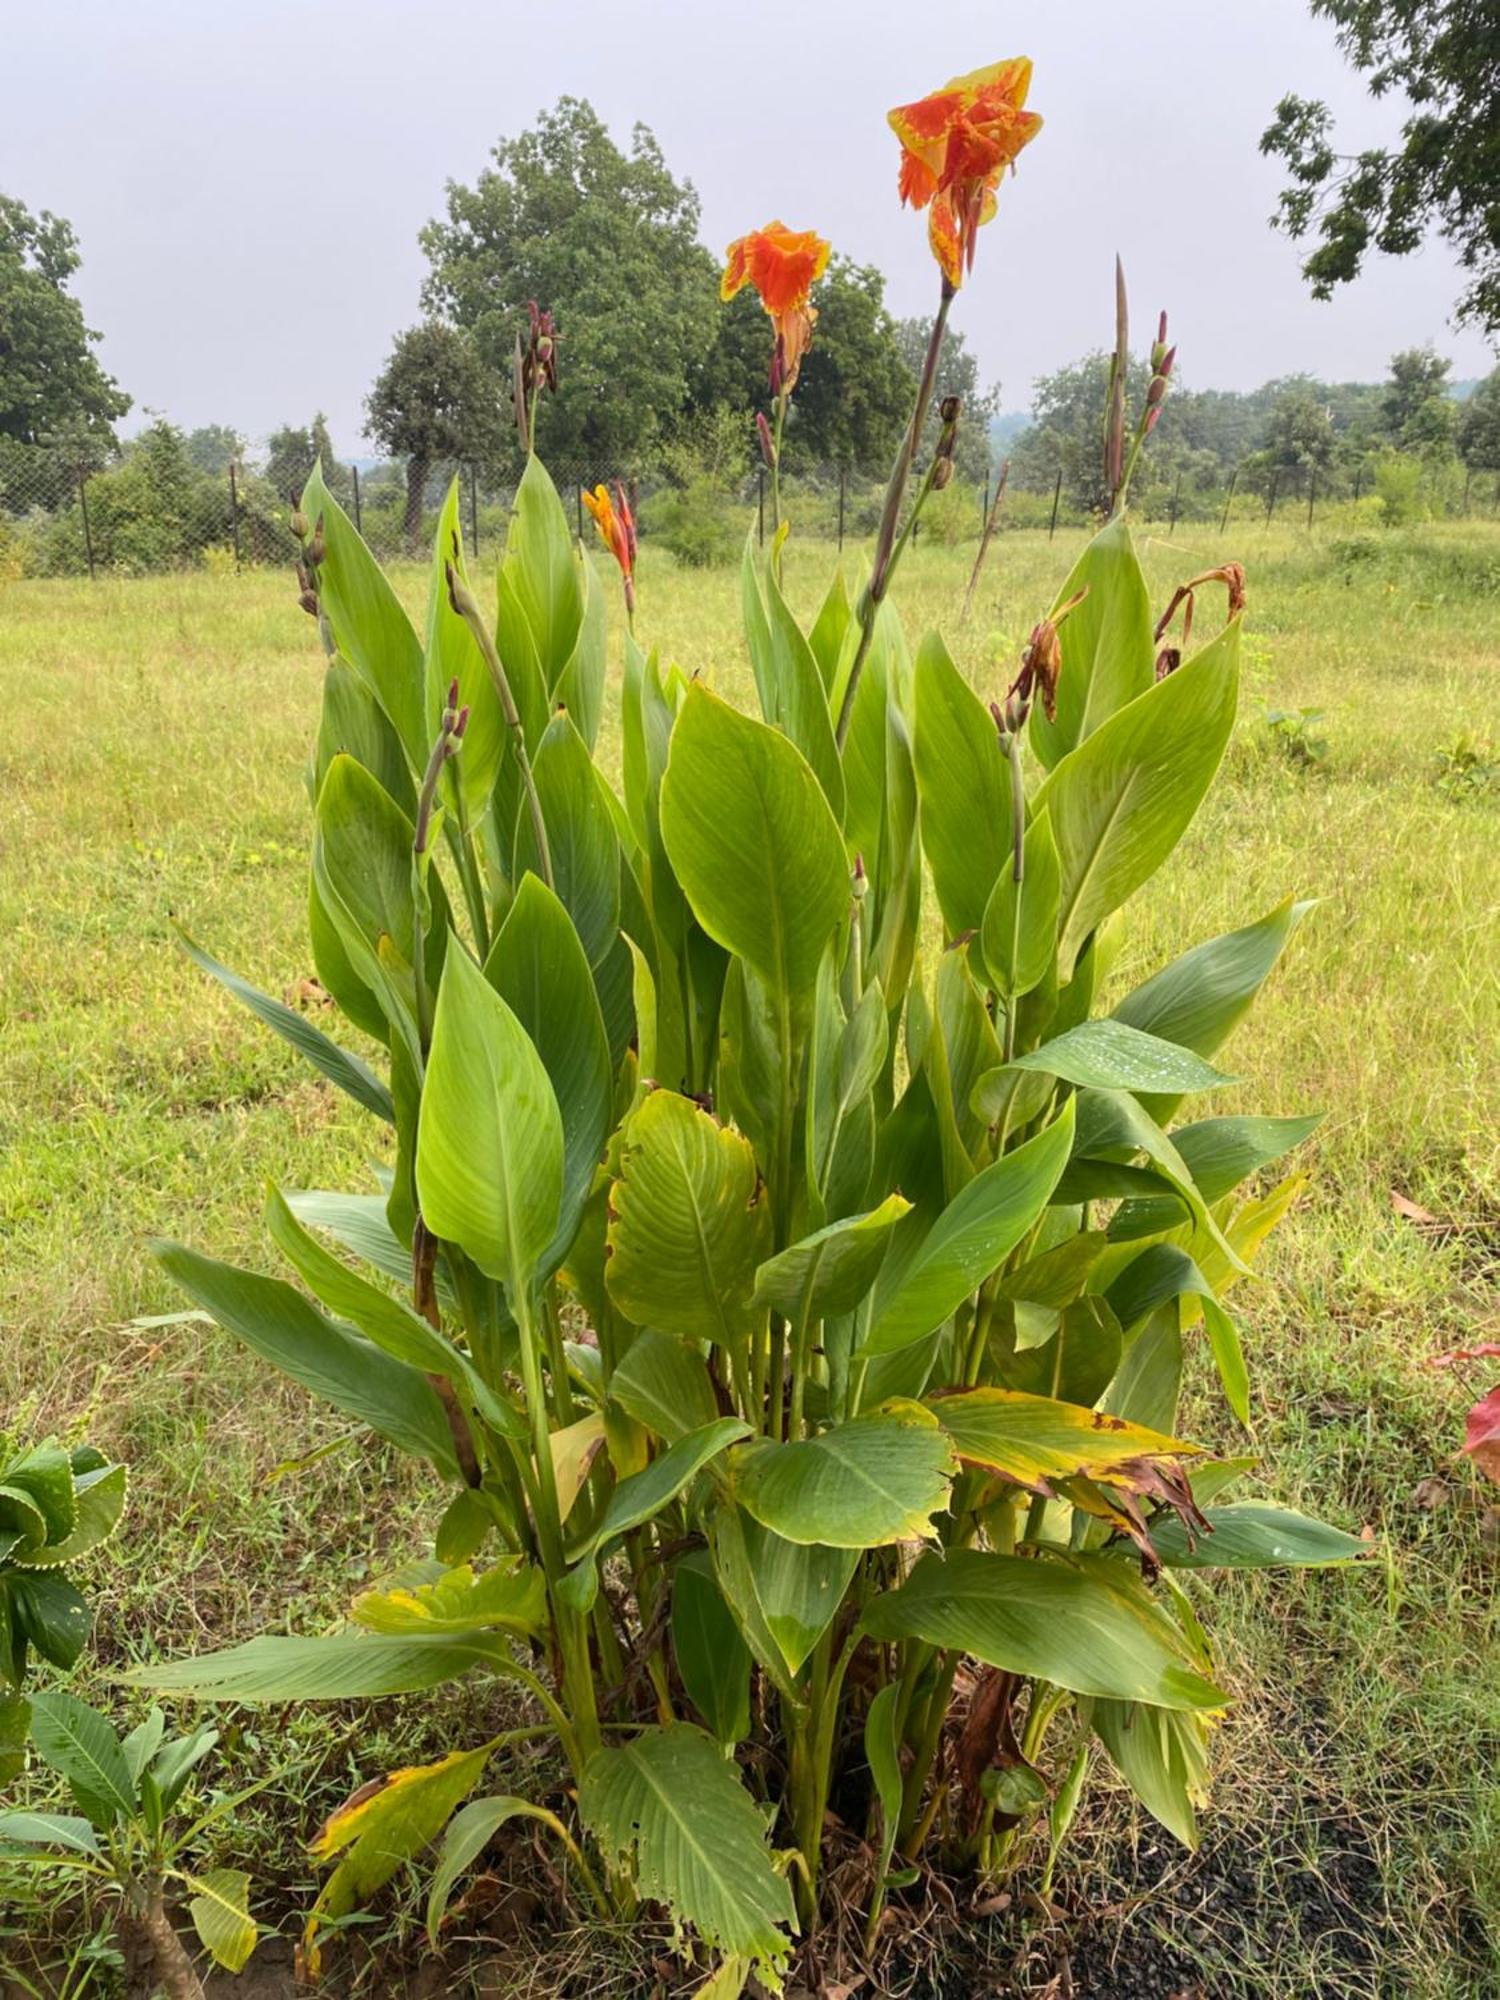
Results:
x,y
955,145
615,524
783,265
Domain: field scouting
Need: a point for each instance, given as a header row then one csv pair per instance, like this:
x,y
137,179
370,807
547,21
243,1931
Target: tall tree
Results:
x,y
293,451
51,383
854,390
608,241
434,401
1479,427
958,375
1418,409
1444,174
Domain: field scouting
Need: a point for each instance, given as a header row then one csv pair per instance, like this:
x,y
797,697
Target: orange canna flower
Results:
x,y
955,145
783,265
615,524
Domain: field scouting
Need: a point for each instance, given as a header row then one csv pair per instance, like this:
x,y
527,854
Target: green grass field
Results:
x,y
152,754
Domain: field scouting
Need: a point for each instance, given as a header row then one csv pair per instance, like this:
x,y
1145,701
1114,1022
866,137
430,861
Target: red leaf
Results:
x,y
1482,1441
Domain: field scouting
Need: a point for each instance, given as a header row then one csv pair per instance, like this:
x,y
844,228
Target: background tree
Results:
x,y
1444,55
608,241
293,451
1479,427
50,380
434,401
214,447
1418,410
854,391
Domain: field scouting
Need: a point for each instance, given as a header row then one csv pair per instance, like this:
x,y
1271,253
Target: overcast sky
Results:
x,y
248,181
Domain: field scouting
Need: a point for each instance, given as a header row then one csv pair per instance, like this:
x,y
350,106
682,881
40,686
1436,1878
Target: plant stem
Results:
x,y
1018,870
895,493
464,604
781,402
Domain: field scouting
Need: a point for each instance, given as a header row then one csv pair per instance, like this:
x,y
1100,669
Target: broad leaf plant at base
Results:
x,y
797,1315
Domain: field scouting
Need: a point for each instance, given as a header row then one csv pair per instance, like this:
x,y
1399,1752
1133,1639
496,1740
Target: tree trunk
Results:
x,y
147,1933
417,468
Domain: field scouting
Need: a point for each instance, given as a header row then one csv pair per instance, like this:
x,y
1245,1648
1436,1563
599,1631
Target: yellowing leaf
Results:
x,y
1034,1440
511,1596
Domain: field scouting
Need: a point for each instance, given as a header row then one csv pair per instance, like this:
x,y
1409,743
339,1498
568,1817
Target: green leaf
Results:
x,y
786,1594
330,1360
864,1484
1019,934
1112,1123
581,838
963,782
712,1658
1034,1440
81,1747
43,1476
453,654
347,1667
689,1226
642,1497
41,1829
509,1597
1162,1754
1107,1055
220,1910
378,1830
468,1834
1081,1625
1108,654
100,1501
352,720
351,1075
1229,1357
1121,801
15,1727
830,1271
541,575
1218,1153
52,1613
669,1807
369,627
883,1754
969,1240
1253,1535
490,1139
664,1385
754,842
176,1761
539,969
579,688
793,692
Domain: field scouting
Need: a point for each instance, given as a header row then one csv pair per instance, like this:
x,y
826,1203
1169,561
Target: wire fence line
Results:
x,y
152,507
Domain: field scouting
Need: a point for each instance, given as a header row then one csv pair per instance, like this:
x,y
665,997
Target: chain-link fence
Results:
x,y
154,506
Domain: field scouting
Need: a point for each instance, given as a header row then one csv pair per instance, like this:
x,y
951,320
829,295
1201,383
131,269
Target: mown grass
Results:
x,y
151,766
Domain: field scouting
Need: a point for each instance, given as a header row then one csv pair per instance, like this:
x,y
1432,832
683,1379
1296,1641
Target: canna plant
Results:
x,y
790,1277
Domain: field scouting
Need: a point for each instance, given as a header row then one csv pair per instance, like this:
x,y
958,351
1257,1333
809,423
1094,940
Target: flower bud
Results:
x,y
767,442
942,472
861,882
317,548
300,524
948,410
1168,660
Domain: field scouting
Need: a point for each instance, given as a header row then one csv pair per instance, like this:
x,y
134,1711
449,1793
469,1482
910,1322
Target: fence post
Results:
x,y
1359,480
359,526
761,508
1271,502
1234,480
1172,515
234,512
83,508
1312,492
843,475
1056,498
473,510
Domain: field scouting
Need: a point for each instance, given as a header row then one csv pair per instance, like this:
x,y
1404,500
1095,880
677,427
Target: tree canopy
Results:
x,y
433,401
52,387
1443,175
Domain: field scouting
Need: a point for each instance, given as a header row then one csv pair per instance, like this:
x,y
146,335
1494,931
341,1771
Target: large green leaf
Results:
x,y
78,1743
969,1240
689,1226
1036,1439
664,1385
1219,1153
754,842
641,1497
468,1834
540,575
1019,934
581,838
883,1754
793,694
369,627
356,1666
1121,801
1079,1624
1162,1754
539,969
963,782
453,654
99,1501
1108,1055
1108,655
338,1065
831,1270
352,719
861,1485
1201,998
668,1807
1250,1534
50,1613
712,1658
329,1359
490,1141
